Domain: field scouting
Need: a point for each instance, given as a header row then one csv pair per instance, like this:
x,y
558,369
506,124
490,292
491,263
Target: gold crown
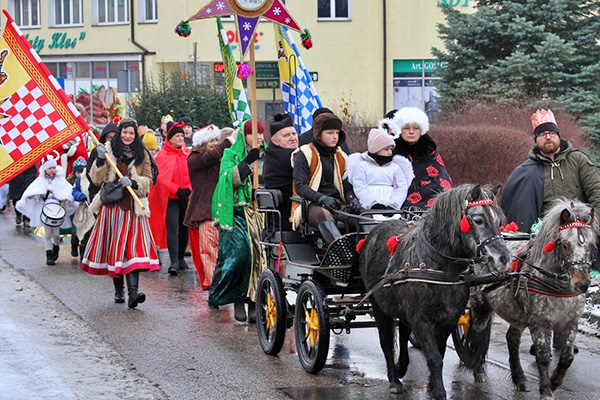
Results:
x,y
542,117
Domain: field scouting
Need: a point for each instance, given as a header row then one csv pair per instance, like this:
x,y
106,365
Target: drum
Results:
x,y
53,214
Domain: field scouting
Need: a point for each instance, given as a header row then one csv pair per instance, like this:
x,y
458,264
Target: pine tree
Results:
x,y
524,52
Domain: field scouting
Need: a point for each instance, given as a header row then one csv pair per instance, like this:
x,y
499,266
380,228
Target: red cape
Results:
x,y
158,197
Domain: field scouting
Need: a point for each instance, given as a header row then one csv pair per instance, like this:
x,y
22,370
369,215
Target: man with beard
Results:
x,y
277,172
554,169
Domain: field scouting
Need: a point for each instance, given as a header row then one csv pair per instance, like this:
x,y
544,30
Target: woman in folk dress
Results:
x,y
121,243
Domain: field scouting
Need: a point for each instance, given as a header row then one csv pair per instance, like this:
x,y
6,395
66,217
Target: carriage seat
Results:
x,y
268,201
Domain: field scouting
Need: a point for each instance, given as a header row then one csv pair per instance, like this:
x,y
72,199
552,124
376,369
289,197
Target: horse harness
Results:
x,y
549,283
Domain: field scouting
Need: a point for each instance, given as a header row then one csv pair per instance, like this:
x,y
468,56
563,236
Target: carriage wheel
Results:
x,y
311,327
271,312
465,348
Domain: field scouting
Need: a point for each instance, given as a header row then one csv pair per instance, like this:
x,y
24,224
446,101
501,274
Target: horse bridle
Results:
x,y
565,265
481,256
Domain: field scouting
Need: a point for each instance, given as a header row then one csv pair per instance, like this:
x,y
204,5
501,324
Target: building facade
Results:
x,y
368,56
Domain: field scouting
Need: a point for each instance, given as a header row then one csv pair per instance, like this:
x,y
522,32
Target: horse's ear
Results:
x,y
475,193
496,190
565,216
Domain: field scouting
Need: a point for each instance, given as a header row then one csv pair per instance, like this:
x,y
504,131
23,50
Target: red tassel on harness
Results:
x,y
359,245
464,224
392,243
549,247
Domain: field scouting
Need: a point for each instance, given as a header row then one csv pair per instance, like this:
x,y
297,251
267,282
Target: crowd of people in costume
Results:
x,y
140,193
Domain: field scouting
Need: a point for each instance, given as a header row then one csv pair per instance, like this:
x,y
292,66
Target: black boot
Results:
x,y
251,312
174,267
183,265
81,251
49,258
135,297
55,249
329,231
74,246
239,311
119,290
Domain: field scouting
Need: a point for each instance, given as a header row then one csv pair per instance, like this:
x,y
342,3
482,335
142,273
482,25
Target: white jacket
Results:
x,y
384,184
31,202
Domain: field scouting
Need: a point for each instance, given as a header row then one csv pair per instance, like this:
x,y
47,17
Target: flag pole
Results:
x,y
253,111
119,174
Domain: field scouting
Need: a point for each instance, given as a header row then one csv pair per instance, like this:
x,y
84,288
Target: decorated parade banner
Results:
x,y
36,115
300,98
247,14
236,95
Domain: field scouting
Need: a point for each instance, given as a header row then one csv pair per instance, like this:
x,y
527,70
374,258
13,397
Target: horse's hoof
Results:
x,y
396,388
481,377
547,397
522,387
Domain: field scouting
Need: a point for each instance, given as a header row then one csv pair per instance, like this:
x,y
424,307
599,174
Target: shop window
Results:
x,y
83,69
414,85
26,13
148,11
115,66
108,12
333,9
66,12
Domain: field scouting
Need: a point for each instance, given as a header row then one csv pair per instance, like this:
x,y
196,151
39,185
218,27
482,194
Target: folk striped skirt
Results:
x,y
120,242
204,243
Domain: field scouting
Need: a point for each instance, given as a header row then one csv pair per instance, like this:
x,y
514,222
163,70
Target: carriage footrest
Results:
x,y
339,258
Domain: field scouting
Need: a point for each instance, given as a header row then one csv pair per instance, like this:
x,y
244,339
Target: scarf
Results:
x,y
127,154
381,160
226,197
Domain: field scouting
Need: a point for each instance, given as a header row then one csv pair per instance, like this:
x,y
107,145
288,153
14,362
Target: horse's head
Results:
x,y
479,229
568,236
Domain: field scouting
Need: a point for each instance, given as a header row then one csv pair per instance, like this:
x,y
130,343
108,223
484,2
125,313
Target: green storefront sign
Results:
x,y
59,40
415,66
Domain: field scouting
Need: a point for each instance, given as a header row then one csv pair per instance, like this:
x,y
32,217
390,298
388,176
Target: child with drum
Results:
x,y
48,201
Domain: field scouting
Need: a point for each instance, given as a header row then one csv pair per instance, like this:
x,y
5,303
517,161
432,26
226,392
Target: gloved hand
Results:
x,y
252,156
353,206
101,149
125,181
183,193
330,203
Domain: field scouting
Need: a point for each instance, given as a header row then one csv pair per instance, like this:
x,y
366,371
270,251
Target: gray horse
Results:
x,y
421,284
547,296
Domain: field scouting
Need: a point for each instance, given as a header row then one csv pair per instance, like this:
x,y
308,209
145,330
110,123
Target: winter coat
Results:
x,y
203,168
278,174
141,174
533,185
379,184
43,188
431,176
174,175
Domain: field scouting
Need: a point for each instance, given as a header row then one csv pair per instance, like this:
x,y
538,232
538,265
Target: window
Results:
x,y
333,9
25,12
112,12
66,12
148,11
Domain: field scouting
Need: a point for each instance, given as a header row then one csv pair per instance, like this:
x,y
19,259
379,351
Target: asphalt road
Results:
x,y
62,336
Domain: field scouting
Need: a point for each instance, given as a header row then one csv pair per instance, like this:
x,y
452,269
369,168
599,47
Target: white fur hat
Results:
x,y
205,135
412,115
49,163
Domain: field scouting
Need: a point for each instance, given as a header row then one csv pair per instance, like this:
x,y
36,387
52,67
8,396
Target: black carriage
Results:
x,y
330,294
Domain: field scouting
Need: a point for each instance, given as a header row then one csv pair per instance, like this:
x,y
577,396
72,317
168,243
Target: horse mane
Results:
x,y
551,222
441,223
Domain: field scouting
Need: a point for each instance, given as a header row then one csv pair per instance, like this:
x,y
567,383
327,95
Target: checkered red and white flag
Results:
x,y
36,115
